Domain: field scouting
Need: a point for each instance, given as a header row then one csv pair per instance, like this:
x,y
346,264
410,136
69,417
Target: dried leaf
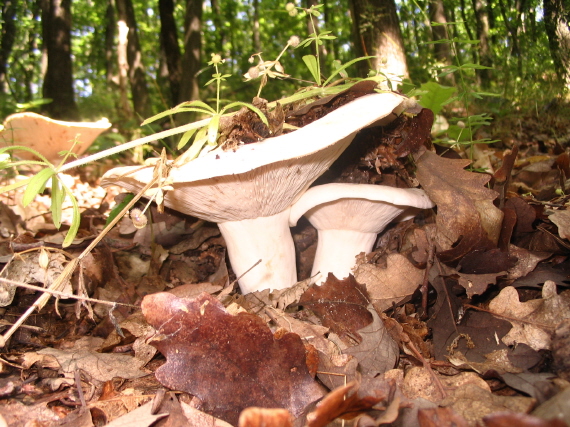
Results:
x,y
391,284
562,221
340,304
533,321
378,352
341,402
264,417
466,217
206,346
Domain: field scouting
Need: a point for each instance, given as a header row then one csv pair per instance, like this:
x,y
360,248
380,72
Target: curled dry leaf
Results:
x,y
342,402
533,321
466,217
228,362
391,284
562,221
265,417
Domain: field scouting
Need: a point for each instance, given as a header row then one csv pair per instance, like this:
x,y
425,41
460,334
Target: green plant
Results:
x,y
461,130
37,184
208,133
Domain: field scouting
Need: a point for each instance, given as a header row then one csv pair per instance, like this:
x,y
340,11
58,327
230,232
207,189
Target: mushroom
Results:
x,y
49,137
348,218
248,191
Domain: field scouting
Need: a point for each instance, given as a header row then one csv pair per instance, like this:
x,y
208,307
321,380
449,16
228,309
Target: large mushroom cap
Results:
x,y
264,178
361,207
48,136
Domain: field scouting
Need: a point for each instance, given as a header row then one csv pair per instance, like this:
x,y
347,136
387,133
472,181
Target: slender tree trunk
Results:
x,y
139,90
125,110
58,79
8,36
110,27
377,32
255,33
557,20
169,42
482,21
191,61
442,51
219,21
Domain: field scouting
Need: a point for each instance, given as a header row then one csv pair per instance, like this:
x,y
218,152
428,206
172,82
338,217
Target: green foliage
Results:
x,y
37,184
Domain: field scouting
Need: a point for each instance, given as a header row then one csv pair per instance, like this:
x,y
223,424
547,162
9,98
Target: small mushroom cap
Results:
x,y
365,208
263,178
48,136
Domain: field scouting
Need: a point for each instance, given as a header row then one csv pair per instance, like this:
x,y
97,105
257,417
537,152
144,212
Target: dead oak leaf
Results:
x,y
228,362
340,305
466,217
533,321
391,284
378,352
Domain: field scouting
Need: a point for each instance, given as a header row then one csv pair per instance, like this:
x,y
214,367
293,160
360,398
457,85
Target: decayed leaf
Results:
x,y
100,366
140,417
378,352
228,362
341,402
508,419
265,417
440,417
562,221
391,284
466,217
533,321
340,304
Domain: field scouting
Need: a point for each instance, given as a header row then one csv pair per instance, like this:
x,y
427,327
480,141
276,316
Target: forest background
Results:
x,y
127,60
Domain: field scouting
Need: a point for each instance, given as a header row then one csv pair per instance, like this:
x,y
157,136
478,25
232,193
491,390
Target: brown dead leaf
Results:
x,y
440,417
228,362
466,217
562,221
378,352
391,284
265,417
342,402
533,321
340,304
508,419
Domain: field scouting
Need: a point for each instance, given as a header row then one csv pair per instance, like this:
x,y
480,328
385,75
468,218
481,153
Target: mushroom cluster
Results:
x,y
249,191
49,137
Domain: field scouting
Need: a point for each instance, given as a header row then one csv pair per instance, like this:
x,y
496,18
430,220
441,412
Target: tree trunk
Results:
x,y
169,42
58,78
482,21
139,90
376,30
8,36
256,36
442,51
557,21
110,26
191,60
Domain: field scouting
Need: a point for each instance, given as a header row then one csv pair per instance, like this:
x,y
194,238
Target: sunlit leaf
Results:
x,y
36,185
311,62
57,198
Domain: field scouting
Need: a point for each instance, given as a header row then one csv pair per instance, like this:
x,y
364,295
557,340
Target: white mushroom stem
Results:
x,y
348,218
267,239
336,252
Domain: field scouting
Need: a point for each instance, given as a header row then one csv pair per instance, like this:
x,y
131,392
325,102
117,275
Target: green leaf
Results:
x,y
117,209
213,129
471,66
75,221
15,185
197,146
251,107
436,96
348,64
44,161
36,185
57,198
311,62
185,138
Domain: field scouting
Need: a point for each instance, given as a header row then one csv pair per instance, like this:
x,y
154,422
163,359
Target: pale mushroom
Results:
x,y
248,191
49,137
348,218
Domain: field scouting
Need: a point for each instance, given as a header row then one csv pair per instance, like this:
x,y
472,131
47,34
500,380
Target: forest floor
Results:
x,y
489,344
